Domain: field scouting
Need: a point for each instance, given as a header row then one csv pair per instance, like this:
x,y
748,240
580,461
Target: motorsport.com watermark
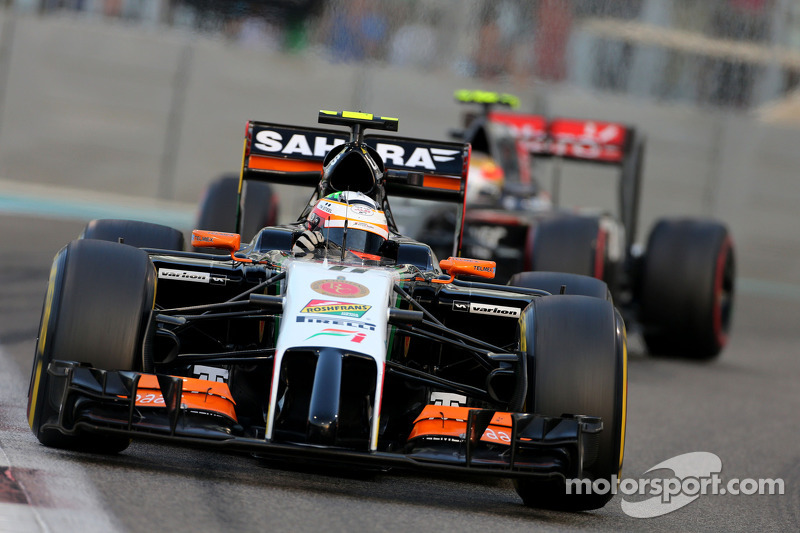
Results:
x,y
695,474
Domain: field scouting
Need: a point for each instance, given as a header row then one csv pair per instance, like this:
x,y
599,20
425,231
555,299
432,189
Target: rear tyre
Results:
x,y
572,244
134,233
218,207
577,361
687,288
98,300
552,282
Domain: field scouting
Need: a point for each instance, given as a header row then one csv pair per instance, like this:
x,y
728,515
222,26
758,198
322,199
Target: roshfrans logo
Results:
x,y
328,307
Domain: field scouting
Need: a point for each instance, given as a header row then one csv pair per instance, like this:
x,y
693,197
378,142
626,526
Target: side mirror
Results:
x,y
469,267
216,239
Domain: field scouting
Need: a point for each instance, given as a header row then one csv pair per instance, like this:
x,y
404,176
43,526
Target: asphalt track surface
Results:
x,y
742,407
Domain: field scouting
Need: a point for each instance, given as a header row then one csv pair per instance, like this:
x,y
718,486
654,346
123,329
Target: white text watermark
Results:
x,y
695,474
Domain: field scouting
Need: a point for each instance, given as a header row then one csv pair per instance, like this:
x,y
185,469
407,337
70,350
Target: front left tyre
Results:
x,y
98,301
134,233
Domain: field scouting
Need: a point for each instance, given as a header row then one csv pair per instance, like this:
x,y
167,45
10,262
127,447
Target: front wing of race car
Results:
x,y
200,412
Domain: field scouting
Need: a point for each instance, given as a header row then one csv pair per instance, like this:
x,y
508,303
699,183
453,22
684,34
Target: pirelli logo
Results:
x,y
349,322
328,307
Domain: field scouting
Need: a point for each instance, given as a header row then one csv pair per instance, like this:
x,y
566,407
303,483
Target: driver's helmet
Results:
x,y
366,225
485,181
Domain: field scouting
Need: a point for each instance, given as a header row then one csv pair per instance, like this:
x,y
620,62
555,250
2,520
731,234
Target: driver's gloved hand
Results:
x,y
307,242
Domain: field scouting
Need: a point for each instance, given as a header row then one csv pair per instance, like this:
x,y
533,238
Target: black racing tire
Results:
x,y
134,233
573,244
687,288
577,364
218,207
96,309
552,282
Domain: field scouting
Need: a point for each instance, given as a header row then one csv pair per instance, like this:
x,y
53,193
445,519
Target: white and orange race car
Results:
x,y
334,339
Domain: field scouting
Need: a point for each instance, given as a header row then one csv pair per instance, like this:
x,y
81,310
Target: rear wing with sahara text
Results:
x,y
291,155
422,169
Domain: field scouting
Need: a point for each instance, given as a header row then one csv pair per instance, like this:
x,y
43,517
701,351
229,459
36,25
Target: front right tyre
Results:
x,y
218,207
99,298
555,282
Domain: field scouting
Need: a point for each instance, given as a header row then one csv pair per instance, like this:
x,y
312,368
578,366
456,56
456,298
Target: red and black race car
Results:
x,y
679,290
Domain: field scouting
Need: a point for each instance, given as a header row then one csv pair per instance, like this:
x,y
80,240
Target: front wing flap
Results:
x,y
100,401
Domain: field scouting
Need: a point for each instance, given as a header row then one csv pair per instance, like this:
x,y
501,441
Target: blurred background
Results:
x,y
142,102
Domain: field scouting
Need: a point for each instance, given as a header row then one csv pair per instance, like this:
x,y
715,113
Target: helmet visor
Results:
x,y
358,240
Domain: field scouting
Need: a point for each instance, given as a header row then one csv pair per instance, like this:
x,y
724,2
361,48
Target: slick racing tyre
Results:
x,y
552,282
218,207
571,244
98,300
134,233
687,288
577,360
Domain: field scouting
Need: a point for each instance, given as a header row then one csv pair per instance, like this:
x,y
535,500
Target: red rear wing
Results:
x,y
586,140
293,155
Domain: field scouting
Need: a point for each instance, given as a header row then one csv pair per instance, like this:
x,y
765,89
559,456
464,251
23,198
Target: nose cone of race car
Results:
x,y
323,409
